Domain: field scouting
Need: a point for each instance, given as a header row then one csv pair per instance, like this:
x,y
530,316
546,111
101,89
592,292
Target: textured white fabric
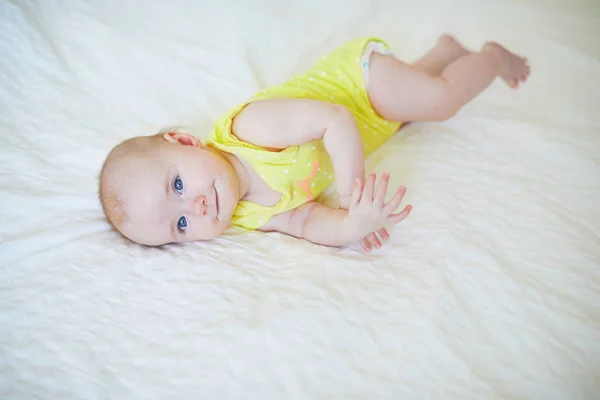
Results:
x,y
490,290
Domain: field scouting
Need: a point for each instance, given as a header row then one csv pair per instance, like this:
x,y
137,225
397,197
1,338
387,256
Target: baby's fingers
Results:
x,y
367,192
366,245
372,237
383,233
401,216
382,188
395,201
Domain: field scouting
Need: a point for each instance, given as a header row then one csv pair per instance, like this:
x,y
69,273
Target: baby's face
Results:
x,y
181,192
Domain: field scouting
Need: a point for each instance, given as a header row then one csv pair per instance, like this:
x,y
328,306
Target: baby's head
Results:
x,y
168,188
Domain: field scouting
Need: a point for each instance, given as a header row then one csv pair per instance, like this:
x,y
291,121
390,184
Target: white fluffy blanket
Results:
x,y
490,290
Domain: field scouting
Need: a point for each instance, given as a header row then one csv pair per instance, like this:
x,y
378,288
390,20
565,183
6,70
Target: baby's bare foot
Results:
x,y
513,69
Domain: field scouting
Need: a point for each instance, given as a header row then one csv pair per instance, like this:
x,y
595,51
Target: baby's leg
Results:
x,y
445,52
403,93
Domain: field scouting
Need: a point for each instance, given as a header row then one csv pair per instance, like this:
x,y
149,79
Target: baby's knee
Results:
x,y
494,55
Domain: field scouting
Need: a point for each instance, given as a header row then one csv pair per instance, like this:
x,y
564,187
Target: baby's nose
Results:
x,y
199,205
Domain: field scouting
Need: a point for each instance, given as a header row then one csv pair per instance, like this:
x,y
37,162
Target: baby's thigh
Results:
x,y
399,92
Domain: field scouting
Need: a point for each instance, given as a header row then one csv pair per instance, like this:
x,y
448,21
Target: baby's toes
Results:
x,y
522,77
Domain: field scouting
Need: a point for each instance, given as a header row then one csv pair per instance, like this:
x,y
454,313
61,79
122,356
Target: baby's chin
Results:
x,y
224,221
227,202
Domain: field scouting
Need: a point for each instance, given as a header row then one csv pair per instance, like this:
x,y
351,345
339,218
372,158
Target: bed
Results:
x,y
489,290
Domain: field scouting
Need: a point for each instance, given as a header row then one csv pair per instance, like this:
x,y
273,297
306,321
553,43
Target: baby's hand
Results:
x,y
371,240
368,213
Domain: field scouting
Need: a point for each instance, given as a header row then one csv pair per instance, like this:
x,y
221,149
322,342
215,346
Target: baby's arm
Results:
x,y
316,223
338,227
281,123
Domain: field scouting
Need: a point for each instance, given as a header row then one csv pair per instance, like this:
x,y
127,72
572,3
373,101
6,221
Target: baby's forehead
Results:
x,y
142,189
131,172
145,208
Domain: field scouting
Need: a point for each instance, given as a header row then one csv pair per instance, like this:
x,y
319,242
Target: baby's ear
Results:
x,y
182,138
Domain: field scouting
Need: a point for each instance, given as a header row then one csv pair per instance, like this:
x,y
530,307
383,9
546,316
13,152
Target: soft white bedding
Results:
x,y
490,290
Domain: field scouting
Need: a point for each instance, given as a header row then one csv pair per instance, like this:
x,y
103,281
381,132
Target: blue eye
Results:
x,y
182,224
178,184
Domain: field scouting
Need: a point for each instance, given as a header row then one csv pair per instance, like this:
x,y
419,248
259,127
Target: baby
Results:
x,y
268,160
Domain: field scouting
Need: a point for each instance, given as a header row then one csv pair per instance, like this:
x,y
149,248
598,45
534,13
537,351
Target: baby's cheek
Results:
x,y
206,229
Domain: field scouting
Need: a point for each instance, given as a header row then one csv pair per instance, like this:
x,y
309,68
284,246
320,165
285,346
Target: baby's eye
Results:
x,y
182,224
178,185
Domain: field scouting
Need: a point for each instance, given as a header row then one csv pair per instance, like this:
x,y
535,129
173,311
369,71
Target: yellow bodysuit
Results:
x,y
301,173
